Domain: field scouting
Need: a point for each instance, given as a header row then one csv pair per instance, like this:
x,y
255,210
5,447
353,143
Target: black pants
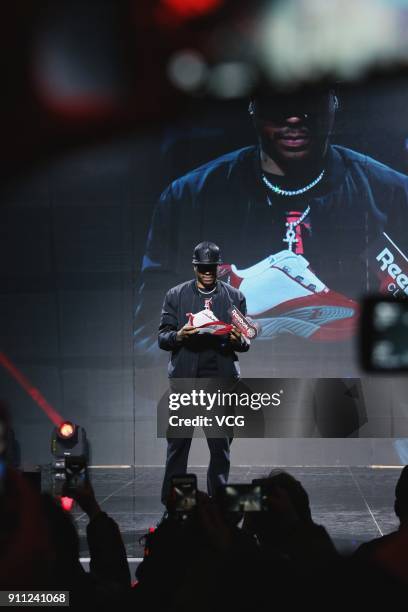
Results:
x,y
178,448
177,459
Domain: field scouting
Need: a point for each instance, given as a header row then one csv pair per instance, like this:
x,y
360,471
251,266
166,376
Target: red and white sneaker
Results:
x,y
207,323
285,296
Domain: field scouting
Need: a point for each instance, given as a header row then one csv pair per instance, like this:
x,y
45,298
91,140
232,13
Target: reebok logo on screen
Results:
x,y
393,270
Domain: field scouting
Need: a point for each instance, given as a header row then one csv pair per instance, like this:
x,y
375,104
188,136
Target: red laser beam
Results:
x,y
32,391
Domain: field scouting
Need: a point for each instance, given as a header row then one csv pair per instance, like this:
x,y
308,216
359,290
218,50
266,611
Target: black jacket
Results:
x,y
357,200
184,358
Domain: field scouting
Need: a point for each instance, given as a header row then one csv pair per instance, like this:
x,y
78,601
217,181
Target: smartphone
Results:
x,y
69,473
240,497
75,472
384,335
183,493
267,488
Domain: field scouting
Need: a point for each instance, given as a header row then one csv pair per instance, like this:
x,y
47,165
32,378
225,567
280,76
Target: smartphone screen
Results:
x,y
241,498
384,335
75,472
183,492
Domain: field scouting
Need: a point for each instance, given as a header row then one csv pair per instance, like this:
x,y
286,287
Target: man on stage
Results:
x,y
201,355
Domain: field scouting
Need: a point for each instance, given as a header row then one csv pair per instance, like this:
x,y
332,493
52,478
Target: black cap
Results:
x,y
207,253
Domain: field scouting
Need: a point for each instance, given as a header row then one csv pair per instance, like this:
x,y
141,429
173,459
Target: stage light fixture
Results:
x,y
69,439
66,430
70,449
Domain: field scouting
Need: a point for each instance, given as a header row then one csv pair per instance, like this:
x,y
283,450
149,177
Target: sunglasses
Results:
x,y
202,268
279,108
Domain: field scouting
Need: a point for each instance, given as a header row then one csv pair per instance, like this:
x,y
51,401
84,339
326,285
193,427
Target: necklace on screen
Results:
x,y
290,236
291,192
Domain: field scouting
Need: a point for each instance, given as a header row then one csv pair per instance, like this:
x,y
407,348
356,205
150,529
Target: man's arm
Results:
x,y
170,336
397,217
108,554
168,327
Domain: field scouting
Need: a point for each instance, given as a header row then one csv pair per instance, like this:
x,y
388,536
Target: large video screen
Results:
x,y
306,195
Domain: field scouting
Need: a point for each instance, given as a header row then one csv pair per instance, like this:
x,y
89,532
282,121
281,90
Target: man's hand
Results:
x,y
235,335
217,529
84,495
186,331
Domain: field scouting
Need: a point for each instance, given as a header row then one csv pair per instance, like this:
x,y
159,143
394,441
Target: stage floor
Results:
x,y
355,504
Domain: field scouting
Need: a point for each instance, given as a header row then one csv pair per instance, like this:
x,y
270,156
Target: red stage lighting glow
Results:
x,y
188,9
67,503
34,393
66,429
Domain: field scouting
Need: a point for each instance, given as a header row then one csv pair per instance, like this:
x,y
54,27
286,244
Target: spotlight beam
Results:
x,y
32,391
